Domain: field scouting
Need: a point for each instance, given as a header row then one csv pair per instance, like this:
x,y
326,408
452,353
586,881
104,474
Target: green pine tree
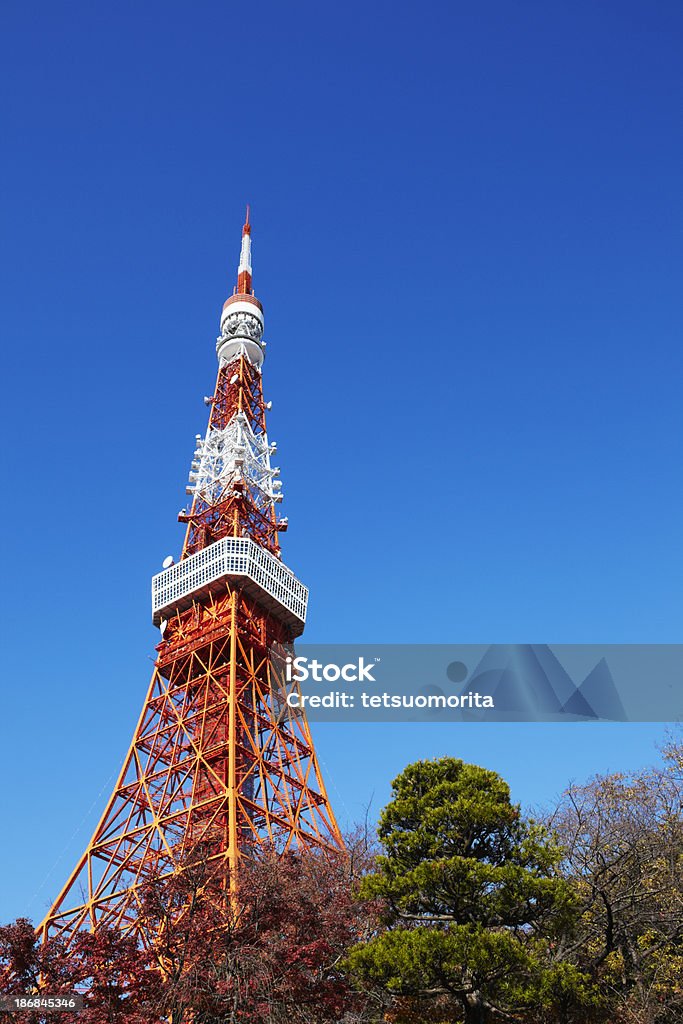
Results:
x,y
474,906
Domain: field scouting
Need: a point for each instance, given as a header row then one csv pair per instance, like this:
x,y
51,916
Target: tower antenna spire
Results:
x,y
244,286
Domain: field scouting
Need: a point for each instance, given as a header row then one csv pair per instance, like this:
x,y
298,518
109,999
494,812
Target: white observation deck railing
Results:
x,y
262,575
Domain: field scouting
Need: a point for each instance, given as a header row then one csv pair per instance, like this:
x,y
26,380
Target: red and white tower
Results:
x,y
219,760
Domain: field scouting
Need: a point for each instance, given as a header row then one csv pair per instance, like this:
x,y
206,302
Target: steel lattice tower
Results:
x,y
218,759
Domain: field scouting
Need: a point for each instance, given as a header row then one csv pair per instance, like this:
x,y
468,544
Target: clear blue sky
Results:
x,y
467,237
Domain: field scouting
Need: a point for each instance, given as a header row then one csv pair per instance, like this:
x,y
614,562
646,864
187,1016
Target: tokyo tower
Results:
x,y
218,760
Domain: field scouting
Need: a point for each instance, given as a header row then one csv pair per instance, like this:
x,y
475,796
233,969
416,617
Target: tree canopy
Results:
x,y
472,913
623,851
474,902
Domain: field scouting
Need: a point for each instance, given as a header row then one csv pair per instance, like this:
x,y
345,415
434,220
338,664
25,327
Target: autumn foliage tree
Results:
x,y
272,953
623,841
109,969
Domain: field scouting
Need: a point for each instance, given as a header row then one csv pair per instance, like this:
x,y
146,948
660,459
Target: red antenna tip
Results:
x,y
246,230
